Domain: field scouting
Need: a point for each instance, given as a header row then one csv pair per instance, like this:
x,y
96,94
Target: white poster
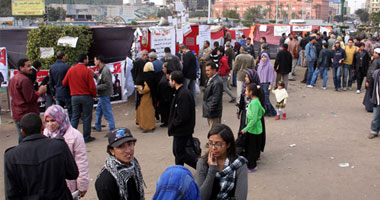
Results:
x,y
3,67
179,6
263,28
302,28
187,29
323,29
46,52
162,37
204,34
180,35
170,19
279,30
68,41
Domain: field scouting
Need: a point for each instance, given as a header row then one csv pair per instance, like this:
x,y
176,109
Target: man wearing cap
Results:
x,y
156,63
121,176
243,62
311,58
38,166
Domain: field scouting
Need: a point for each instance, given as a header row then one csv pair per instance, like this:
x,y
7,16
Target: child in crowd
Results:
x,y
254,127
281,96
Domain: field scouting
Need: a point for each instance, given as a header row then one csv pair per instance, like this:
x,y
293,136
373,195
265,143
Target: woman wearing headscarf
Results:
x,y
266,74
251,77
57,125
145,113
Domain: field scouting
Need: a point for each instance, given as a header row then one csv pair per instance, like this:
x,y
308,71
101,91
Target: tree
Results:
x,y
253,13
375,18
268,9
362,14
55,14
5,8
231,14
164,12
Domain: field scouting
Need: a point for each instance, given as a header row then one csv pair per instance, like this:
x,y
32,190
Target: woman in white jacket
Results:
x,y
57,125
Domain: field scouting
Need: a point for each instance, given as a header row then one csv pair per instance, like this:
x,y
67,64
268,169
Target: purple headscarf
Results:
x,y
253,78
265,70
58,114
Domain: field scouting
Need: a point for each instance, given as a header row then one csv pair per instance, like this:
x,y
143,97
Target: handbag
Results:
x,y
240,143
193,147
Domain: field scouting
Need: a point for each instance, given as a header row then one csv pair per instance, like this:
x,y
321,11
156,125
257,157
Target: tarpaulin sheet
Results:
x,y
15,41
114,43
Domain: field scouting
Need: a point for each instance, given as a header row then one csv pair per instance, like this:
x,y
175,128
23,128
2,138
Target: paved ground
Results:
x,y
327,128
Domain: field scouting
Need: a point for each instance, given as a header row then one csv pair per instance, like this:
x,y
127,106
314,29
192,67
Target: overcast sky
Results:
x,y
353,4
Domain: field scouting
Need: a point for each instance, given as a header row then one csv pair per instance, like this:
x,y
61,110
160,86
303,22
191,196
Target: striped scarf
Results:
x,y
228,175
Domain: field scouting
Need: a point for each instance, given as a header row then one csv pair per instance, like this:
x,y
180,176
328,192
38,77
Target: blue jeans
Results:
x,y
310,69
337,76
269,109
65,102
375,124
82,104
347,73
20,136
190,85
104,108
323,71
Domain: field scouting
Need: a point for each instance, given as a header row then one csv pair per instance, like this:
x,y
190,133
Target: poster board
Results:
x,y
162,37
3,67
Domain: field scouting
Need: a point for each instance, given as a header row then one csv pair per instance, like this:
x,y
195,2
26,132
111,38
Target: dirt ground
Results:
x,y
327,128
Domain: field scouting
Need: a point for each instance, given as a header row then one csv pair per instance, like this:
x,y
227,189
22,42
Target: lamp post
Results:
x,y
209,12
276,11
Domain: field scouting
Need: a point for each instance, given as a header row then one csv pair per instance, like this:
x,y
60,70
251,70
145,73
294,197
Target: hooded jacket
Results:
x,y
176,182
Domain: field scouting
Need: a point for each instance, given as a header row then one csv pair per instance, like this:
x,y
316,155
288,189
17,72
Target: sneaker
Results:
x,y
357,91
93,128
284,116
232,100
350,88
89,139
251,170
309,86
344,89
164,125
277,117
323,88
372,135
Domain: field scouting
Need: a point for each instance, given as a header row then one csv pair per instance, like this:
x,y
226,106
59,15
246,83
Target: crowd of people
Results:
x,y
166,89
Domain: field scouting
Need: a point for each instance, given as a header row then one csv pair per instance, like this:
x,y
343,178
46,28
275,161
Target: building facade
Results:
x,y
373,6
291,9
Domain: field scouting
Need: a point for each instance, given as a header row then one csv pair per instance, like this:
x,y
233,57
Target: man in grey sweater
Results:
x,y
104,91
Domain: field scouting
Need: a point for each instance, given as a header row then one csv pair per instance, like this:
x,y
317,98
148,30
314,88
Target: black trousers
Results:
x,y
164,109
253,149
180,153
360,77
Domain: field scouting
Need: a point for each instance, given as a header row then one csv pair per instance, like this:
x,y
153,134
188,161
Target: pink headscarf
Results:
x,y
58,114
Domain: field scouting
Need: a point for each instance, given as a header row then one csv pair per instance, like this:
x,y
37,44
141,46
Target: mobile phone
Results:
x,y
213,158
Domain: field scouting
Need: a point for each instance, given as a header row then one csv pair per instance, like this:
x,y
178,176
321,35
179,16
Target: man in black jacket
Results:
x,y
181,120
283,65
213,96
38,166
189,70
